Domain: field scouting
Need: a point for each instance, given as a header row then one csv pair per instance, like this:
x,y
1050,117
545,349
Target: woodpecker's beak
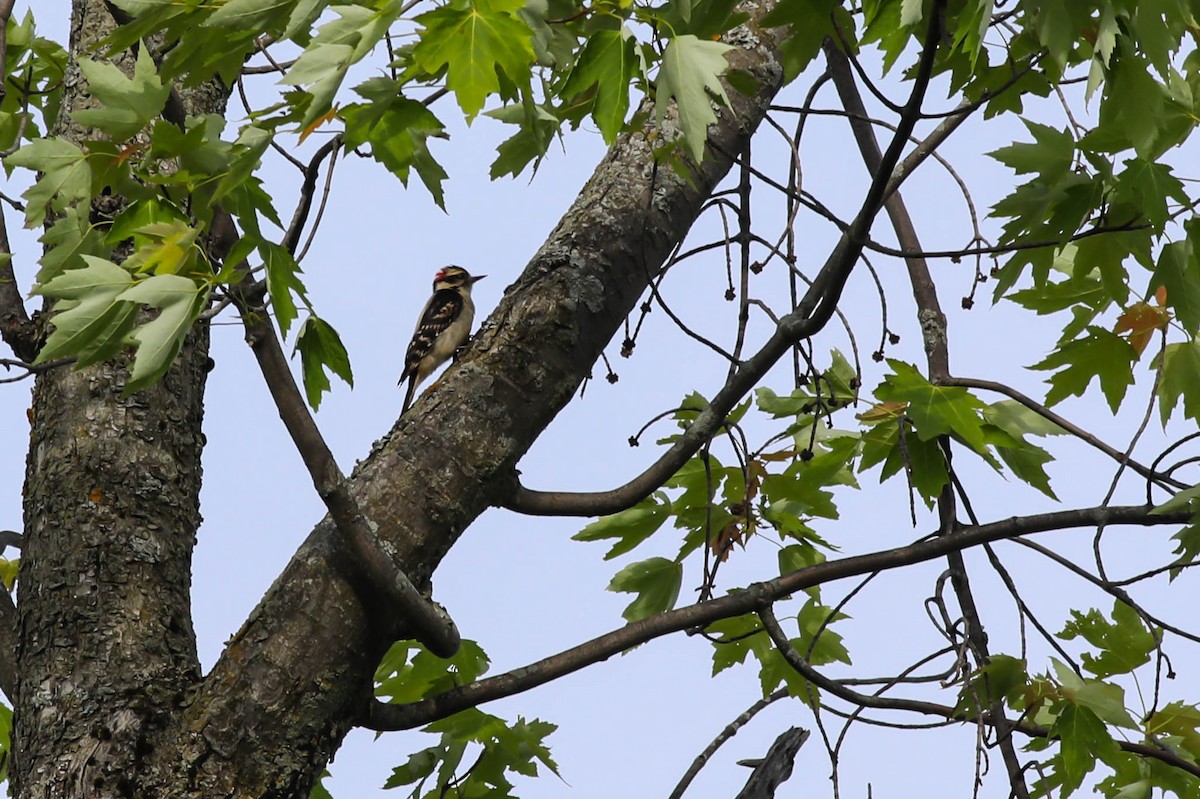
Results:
x,y
476,278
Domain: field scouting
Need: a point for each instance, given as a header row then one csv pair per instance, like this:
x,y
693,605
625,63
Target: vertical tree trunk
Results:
x,y
111,510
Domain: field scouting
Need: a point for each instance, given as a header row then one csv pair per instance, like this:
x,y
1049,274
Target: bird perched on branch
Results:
x,y
443,327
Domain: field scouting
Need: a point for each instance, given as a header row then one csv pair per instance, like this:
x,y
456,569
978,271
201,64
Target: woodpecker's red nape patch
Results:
x,y
441,273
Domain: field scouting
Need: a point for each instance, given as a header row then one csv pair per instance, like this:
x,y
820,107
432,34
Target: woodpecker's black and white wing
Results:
x,y
435,338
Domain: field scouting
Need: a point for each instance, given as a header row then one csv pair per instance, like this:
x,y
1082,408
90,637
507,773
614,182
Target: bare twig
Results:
x,y
30,369
934,333
810,316
1073,429
325,192
174,111
731,729
945,711
1151,401
743,240
925,149
291,239
1110,587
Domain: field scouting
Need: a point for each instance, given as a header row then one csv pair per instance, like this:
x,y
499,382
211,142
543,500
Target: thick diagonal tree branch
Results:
x,y
402,602
430,623
295,678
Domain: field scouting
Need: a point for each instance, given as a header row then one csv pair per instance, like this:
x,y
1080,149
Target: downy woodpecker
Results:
x,y
444,326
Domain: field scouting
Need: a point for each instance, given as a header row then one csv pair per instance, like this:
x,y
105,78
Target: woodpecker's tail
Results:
x,y
409,393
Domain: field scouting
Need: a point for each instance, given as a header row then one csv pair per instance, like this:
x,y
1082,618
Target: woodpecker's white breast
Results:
x,y
450,339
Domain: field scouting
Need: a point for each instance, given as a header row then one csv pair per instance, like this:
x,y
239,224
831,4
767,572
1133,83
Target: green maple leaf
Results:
x,y
1133,108
820,645
166,248
254,14
66,177
1050,154
881,23
158,341
476,42
630,527
1082,736
1124,643
810,22
795,557
690,74
1015,419
1105,256
1026,460
358,26
283,281
1187,548
1178,271
321,348
1180,377
656,581
894,444
732,640
320,70
69,238
397,129
126,104
529,144
342,41
774,670
408,672
1147,185
1099,354
608,62
1047,296
1180,721
800,490
1001,679
935,410
89,321
1056,29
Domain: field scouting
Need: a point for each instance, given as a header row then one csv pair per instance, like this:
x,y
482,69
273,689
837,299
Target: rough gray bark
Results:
x,y
110,701
106,649
775,767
